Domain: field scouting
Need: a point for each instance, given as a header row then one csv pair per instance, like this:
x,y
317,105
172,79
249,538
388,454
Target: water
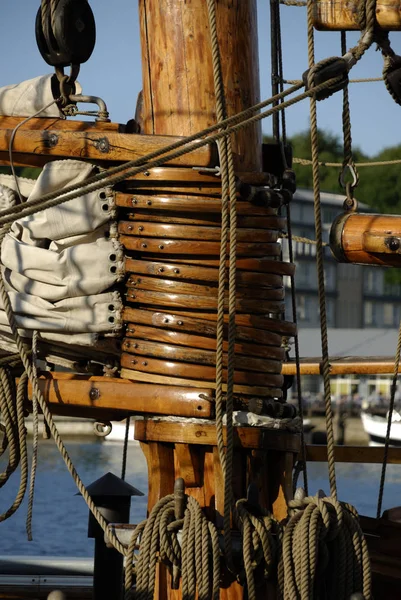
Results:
x,y
60,517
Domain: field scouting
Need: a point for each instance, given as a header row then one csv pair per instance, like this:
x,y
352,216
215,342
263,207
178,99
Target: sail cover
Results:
x,y
61,265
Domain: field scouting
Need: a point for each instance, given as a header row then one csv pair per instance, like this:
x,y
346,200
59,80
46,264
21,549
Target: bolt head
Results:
x,y
394,244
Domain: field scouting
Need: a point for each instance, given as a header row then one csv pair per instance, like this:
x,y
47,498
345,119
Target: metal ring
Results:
x,y
102,429
354,174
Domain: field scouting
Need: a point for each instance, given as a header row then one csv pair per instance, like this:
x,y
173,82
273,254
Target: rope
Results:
x,y
319,259
361,80
36,391
9,431
325,554
149,161
297,354
389,421
298,238
125,448
228,226
35,416
348,160
197,557
293,2
305,162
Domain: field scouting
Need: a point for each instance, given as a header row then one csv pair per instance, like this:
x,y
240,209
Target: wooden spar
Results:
x,y
41,140
354,454
367,239
344,365
97,397
334,15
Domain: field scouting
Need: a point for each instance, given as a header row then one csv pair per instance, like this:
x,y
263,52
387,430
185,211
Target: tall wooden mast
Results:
x,y
179,99
178,89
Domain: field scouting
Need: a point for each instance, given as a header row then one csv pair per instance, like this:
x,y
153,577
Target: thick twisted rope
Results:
x,y
196,557
324,552
319,259
228,225
297,353
19,443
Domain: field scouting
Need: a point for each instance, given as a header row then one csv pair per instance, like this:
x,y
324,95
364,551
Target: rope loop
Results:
x,y
323,550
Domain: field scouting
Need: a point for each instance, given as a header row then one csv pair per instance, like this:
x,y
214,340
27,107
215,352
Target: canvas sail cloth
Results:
x,y
60,264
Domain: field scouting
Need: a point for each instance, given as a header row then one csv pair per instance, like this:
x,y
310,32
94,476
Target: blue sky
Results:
x,y
114,70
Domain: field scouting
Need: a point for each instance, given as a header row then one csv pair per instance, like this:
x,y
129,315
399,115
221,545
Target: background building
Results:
x,y
356,296
363,311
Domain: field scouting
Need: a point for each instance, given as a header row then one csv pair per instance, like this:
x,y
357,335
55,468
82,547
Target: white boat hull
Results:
x,y
376,427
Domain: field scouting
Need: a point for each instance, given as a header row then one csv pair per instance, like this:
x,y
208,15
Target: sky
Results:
x,y
114,70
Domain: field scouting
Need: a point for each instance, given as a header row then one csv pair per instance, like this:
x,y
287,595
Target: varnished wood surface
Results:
x,y
189,433
184,202
178,88
260,265
89,143
197,341
345,365
192,232
243,221
196,355
249,320
202,373
196,325
331,15
245,390
365,239
195,272
178,301
195,247
158,284
120,397
354,454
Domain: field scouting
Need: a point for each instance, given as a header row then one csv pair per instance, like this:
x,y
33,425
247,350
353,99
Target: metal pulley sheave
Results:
x,y
65,32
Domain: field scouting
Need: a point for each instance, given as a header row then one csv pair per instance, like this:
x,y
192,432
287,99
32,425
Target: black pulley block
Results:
x,y
393,79
336,69
72,38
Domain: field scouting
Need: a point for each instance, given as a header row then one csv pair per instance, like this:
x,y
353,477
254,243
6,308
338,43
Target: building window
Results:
x,y
372,314
388,314
302,308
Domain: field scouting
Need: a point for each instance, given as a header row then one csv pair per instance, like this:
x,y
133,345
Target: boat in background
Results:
x,y
375,425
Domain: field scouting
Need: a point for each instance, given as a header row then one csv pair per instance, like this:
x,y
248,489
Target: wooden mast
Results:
x,y
178,90
178,99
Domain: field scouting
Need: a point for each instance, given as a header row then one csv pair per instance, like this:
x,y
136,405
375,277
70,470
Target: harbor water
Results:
x,y
60,516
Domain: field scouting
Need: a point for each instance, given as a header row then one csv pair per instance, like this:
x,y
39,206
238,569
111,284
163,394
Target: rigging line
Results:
x,y
297,355
319,258
129,169
35,414
228,228
306,162
274,67
125,448
389,420
361,80
305,240
348,160
10,145
281,73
